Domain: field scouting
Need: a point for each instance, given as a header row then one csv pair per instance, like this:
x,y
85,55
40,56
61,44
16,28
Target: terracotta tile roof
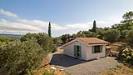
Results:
x,y
90,40
93,40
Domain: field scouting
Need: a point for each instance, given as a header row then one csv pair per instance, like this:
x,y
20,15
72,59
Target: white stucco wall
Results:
x,y
90,55
86,51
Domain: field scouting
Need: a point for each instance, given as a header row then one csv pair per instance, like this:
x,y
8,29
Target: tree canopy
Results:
x,y
20,57
42,39
94,28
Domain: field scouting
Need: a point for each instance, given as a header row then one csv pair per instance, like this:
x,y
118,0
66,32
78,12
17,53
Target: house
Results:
x,y
85,48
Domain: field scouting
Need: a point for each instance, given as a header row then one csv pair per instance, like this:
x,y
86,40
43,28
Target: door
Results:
x,y
77,51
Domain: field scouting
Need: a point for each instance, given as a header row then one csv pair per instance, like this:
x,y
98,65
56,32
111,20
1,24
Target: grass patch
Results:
x,y
48,72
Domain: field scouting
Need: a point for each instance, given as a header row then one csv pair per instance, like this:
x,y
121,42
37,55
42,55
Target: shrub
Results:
x,y
126,56
18,58
112,35
100,33
124,33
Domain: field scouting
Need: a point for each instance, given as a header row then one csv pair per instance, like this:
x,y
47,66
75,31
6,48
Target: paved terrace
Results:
x,y
80,67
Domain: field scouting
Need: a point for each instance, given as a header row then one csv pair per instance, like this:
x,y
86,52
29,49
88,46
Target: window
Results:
x,y
97,49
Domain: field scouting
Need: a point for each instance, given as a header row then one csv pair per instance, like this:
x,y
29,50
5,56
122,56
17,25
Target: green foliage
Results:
x,y
21,57
123,26
112,35
130,37
29,36
128,16
86,34
48,72
124,33
49,29
100,33
118,32
66,38
89,34
80,34
94,27
57,41
42,39
18,58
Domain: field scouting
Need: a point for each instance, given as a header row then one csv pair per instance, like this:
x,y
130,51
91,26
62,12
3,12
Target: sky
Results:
x,y
66,16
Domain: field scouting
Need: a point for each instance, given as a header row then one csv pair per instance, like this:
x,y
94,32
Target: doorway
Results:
x,y
77,51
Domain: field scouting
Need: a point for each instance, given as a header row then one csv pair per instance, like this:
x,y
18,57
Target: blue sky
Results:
x,y
67,16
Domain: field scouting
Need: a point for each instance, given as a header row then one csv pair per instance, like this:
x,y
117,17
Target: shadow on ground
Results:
x,y
64,60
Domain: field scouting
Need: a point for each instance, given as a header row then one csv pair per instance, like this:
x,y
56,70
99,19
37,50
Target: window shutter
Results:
x,y
75,50
92,49
80,50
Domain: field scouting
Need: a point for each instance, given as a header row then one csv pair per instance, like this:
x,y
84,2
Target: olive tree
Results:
x,y
18,58
42,39
112,35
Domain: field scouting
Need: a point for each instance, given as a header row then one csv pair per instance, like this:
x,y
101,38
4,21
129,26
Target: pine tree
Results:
x,y
49,29
94,26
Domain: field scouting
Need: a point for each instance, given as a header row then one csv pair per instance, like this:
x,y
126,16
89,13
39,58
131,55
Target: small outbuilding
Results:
x,y
86,48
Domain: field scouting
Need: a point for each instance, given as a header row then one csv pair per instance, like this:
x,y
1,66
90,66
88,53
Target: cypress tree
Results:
x,y
49,29
94,26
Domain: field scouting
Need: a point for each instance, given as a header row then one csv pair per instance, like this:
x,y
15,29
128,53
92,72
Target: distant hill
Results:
x,y
11,36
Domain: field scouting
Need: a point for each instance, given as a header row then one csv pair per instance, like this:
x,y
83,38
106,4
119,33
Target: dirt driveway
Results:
x,y
80,67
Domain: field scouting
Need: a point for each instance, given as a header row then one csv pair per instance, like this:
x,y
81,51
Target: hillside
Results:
x,y
14,36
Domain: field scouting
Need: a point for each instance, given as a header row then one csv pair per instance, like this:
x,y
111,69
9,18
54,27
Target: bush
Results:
x,y
100,33
112,35
89,34
124,33
126,56
130,37
18,58
86,34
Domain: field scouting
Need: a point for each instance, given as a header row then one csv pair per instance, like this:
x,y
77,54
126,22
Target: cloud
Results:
x,y
19,26
23,26
7,13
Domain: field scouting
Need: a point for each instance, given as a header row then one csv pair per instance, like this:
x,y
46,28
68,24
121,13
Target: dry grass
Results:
x,y
115,46
48,71
119,70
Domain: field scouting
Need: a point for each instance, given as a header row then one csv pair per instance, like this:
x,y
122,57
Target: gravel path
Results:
x,y
80,67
